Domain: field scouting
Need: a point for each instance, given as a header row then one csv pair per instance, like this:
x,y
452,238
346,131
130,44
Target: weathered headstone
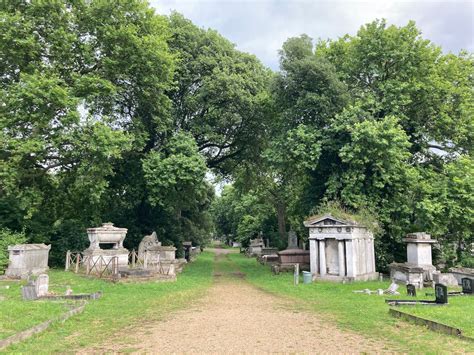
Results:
x,y
441,294
42,284
28,292
292,240
467,285
411,290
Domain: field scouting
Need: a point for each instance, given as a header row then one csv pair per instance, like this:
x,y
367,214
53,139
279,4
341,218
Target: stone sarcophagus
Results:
x,y
109,235
25,259
340,250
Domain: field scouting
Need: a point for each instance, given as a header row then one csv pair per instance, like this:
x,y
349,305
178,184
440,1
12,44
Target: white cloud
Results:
x,y
260,27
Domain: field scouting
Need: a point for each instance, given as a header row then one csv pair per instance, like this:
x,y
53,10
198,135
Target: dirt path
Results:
x,y
235,317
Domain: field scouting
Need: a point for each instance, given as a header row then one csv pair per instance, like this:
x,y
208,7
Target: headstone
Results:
x,y
147,243
467,285
68,291
292,240
28,292
441,294
411,290
42,283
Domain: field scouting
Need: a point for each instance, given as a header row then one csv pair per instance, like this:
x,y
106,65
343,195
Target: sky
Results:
x,y
261,26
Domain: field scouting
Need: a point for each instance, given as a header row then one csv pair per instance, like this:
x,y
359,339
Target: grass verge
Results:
x,y
121,305
368,314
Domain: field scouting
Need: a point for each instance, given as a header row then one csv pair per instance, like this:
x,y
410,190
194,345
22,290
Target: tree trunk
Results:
x,y
281,214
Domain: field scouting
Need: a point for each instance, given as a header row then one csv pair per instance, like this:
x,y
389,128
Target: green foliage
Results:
x,y
219,94
363,216
7,238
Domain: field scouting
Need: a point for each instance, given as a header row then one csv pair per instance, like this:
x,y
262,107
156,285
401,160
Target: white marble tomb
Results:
x,y
340,250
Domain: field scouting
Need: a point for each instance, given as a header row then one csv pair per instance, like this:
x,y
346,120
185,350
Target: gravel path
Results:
x,y
235,317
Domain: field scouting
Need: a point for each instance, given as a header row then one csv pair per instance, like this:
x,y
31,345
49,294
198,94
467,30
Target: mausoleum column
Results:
x,y
351,267
313,253
322,258
342,262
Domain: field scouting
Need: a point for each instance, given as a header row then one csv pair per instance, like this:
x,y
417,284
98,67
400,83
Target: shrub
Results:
x,y
8,237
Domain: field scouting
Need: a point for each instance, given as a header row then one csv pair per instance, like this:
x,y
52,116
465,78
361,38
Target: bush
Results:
x,y
8,237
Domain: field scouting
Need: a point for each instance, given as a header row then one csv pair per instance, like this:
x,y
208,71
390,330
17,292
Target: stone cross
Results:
x,y
292,240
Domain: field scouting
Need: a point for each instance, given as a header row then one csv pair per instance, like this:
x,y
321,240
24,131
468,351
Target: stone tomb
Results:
x,y
340,250
109,235
27,259
418,268
255,247
288,258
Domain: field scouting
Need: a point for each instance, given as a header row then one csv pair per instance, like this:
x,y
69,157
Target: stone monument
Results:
x,y
106,234
148,243
256,245
418,268
293,255
25,259
341,250
42,285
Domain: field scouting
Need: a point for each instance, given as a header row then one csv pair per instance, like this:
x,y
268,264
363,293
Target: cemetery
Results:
x,y
236,176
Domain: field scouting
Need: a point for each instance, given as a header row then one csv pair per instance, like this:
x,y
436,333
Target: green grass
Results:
x,y
368,314
122,305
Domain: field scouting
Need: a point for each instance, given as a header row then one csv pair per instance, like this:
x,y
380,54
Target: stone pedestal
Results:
x,y
27,259
418,261
340,250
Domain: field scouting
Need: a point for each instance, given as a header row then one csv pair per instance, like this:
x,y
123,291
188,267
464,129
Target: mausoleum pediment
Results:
x,y
327,220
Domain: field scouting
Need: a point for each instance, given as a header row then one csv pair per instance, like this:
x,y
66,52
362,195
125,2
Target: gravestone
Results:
x,y
441,294
28,292
411,290
467,285
42,283
292,240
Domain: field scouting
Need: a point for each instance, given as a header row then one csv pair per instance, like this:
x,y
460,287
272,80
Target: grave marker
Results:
x,y
467,285
42,283
411,290
441,294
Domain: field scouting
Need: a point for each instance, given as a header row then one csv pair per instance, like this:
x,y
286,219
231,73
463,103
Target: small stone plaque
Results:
x,y
411,290
467,285
441,294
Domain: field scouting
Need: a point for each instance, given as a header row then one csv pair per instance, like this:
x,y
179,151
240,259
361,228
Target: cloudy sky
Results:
x,y
261,26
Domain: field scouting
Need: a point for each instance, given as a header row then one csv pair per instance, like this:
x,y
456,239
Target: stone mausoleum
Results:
x,y
25,259
340,250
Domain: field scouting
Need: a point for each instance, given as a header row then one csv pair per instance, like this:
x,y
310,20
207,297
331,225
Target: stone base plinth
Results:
x,y
337,278
93,256
294,256
404,273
